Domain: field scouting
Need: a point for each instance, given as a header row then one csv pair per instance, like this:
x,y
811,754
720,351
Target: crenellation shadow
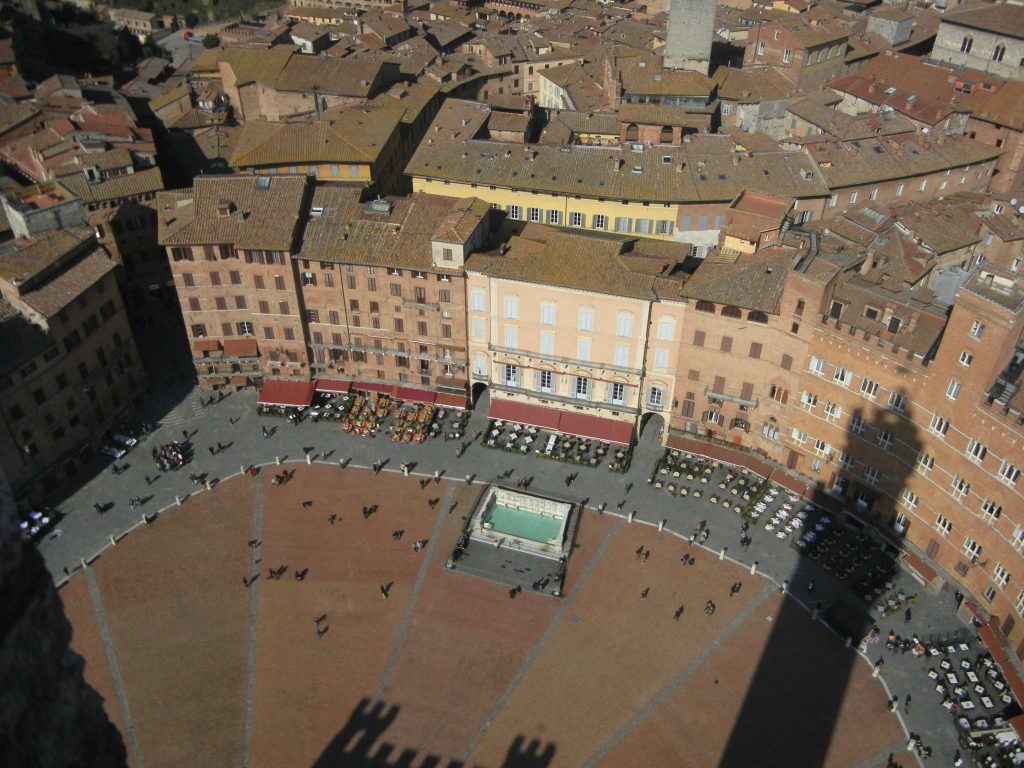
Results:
x,y
360,744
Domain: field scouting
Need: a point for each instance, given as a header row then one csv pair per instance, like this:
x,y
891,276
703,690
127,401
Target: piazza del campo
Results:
x,y
512,383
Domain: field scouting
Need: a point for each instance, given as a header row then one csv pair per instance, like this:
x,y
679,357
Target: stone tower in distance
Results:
x,y
691,26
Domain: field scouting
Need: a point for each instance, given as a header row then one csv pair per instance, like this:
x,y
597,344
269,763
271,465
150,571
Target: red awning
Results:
x,y
294,393
520,413
451,401
240,348
332,385
918,566
584,425
988,637
369,386
415,395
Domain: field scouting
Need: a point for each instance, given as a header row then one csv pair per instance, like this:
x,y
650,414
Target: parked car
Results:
x,y
124,441
113,449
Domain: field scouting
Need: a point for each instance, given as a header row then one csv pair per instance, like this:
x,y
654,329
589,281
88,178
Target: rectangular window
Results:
x,y
899,190
755,350
872,476
977,329
909,499
515,212
534,215
599,221
857,425
991,511
396,290
583,350
586,320
939,426
959,488
582,390
545,381
511,375
1000,576
698,338
868,389
817,366
833,412
476,300
798,437
617,393
976,451
511,308
555,218
1008,473
547,344
576,219
808,401
726,345
953,389
623,224
842,376
897,402
925,462
846,461
972,549
884,439
511,338
943,526
660,360
621,355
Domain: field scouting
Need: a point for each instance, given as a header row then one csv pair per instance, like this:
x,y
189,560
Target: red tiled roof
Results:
x,y
206,345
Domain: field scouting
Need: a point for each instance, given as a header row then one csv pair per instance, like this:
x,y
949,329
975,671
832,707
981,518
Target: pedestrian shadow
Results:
x,y
361,743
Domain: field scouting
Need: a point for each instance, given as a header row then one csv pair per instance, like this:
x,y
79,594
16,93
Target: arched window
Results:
x,y
756,316
731,311
998,52
705,306
966,43
666,134
632,132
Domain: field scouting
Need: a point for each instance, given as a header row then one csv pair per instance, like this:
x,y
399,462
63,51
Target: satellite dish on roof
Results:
x,y
1013,201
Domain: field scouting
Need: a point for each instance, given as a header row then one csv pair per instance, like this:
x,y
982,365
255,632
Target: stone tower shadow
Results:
x,y
360,744
49,714
849,561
